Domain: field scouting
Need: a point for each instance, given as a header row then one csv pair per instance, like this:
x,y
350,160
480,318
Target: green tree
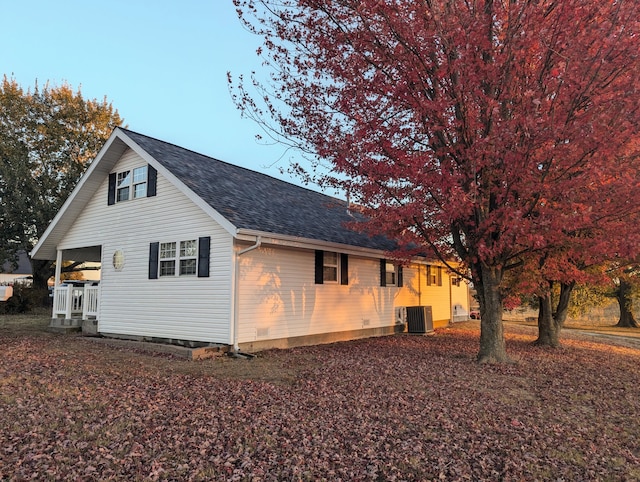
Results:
x,y
587,297
48,137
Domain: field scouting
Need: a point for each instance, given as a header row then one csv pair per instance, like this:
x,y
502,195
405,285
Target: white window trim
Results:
x,y
193,257
434,271
394,271
177,258
328,265
131,185
144,181
121,177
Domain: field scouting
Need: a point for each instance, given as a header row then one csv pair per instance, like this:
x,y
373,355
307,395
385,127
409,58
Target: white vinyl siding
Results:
x,y
176,307
278,297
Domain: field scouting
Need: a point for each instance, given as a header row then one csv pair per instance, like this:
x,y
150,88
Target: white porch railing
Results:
x,y
91,302
76,301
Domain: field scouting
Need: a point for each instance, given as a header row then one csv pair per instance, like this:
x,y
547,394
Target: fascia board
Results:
x,y
274,239
250,235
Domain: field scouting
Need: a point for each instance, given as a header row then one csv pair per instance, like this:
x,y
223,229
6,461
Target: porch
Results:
x,y
75,307
76,300
76,303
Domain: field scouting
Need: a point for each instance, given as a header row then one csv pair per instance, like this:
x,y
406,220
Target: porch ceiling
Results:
x,y
88,253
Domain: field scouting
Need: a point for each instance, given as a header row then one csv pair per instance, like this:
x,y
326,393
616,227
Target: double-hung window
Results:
x,y
188,257
167,259
434,275
390,274
139,188
123,186
331,267
179,258
136,183
131,184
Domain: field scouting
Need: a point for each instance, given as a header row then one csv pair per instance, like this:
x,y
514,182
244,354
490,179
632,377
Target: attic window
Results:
x,y
132,184
140,182
123,186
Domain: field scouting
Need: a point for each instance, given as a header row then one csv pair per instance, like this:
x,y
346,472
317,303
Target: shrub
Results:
x,y
25,299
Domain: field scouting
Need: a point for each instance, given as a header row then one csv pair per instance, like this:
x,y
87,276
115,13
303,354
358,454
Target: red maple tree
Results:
x,y
486,131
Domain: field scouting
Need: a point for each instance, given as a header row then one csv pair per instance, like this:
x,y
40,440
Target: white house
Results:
x,y
197,251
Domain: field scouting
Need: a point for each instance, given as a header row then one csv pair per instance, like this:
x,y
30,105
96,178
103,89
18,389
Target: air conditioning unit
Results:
x,y
419,319
401,315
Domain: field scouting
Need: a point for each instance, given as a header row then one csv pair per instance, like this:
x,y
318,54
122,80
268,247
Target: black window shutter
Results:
x,y
399,275
204,244
383,272
154,252
344,269
429,268
152,181
319,267
111,195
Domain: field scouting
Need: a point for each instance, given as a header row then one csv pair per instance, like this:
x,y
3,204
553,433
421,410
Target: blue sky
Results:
x,y
163,64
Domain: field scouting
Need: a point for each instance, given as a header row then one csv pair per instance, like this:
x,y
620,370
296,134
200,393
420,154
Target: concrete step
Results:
x,y
65,325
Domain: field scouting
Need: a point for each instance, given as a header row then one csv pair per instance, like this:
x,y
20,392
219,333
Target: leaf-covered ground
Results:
x,y
393,408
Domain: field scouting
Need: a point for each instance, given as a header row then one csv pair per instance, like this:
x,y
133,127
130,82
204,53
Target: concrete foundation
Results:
x,y
65,325
320,339
199,353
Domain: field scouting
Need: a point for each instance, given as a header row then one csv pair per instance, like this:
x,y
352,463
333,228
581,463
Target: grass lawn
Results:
x,y
393,408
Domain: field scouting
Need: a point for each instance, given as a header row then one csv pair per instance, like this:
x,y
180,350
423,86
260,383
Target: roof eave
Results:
x,y
46,247
250,235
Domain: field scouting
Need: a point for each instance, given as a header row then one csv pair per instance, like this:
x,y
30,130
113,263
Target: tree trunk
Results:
x,y
550,322
562,309
41,272
625,301
548,331
492,343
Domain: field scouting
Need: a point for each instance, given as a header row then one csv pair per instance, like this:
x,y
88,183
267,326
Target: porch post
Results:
x,y
56,280
56,283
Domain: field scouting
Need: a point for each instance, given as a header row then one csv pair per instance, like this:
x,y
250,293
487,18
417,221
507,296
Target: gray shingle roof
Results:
x,y
252,200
